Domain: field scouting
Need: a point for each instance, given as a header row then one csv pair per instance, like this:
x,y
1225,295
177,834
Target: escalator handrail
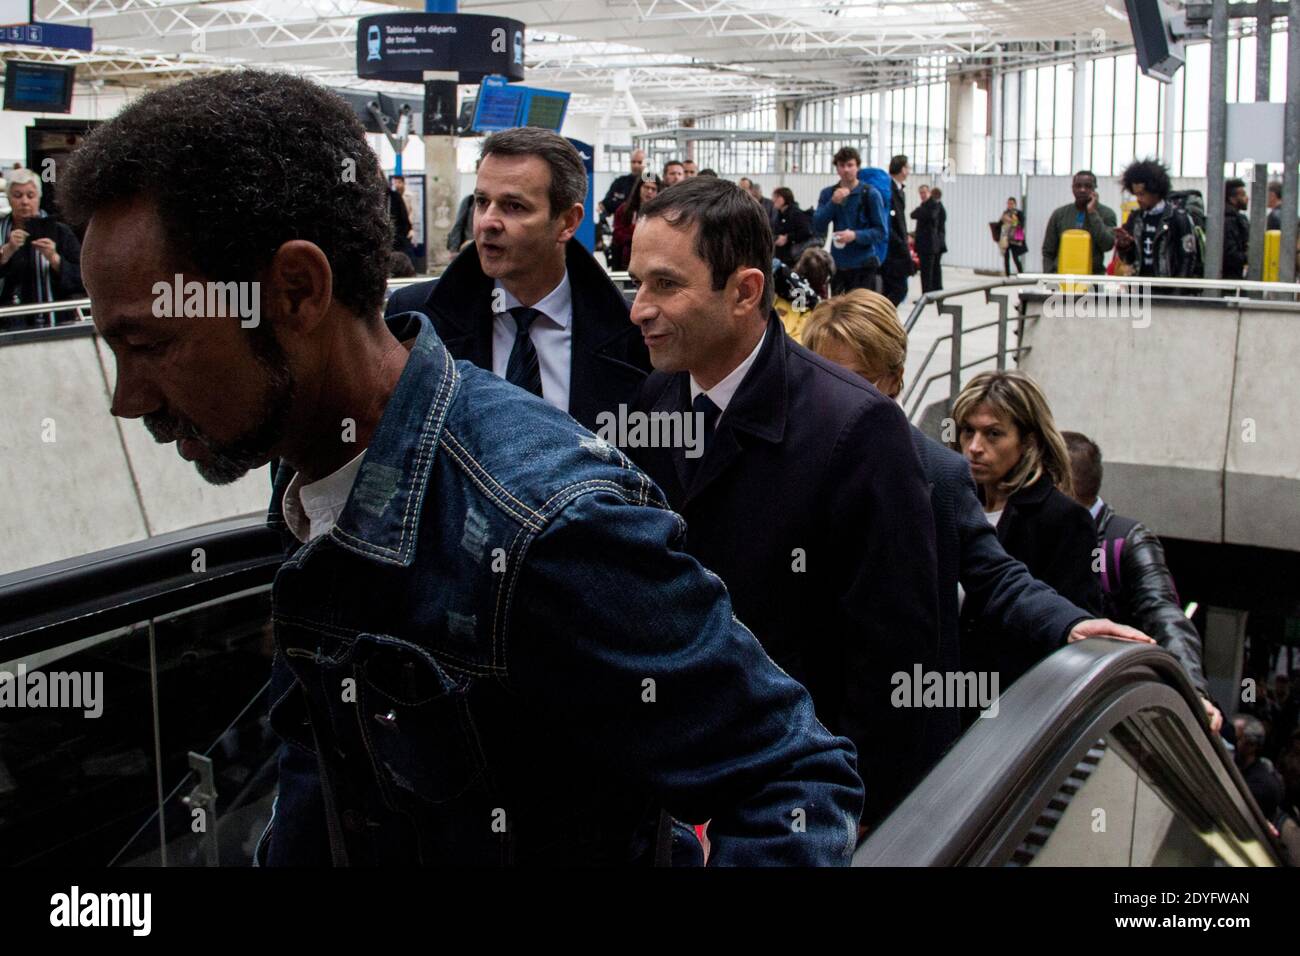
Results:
x,y
956,807
44,607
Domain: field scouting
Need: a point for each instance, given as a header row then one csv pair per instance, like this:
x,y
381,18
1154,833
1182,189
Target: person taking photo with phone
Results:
x,y
40,259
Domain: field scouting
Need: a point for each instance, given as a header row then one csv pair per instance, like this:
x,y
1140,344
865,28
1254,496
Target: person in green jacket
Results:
x,y
1086,212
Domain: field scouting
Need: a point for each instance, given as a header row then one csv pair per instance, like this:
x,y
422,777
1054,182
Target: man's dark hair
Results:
x,y
1151,173
1231,186
1275,188
1085,464
396,178
568,175
1086,172
786,194
846,154
936,192
238,164
897,163
707,171
674,162
733,230
400,265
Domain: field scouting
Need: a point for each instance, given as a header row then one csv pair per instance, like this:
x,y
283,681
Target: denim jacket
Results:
x,y
501,654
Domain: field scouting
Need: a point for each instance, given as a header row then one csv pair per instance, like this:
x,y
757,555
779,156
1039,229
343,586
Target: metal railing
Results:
x,y
82,324
1282,294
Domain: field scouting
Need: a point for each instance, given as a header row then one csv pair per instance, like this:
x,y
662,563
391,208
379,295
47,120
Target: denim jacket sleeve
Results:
x,y
635,648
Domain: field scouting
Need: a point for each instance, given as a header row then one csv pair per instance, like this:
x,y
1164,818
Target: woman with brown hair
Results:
x,y
816,266
626,217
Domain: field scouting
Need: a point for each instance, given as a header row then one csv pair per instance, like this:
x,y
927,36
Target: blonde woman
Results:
x,y
1018,458
860,331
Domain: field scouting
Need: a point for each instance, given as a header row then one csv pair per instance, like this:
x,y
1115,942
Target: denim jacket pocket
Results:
x,y
415,718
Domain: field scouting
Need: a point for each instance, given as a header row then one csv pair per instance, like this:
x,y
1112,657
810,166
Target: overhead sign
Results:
x,y
401,46
501,106
58,35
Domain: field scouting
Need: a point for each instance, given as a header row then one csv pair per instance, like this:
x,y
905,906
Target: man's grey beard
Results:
x,y
232,460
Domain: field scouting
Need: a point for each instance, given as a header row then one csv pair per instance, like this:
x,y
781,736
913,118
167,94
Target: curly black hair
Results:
x,y
1151,173
239,163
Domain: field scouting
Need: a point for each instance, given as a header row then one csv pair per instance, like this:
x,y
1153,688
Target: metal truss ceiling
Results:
x,y
679,58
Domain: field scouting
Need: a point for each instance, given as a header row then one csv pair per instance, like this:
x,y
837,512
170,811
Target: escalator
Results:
x,y
1098,756
135,728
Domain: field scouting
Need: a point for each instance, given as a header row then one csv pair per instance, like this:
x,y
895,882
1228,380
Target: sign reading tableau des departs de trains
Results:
x,y
402,46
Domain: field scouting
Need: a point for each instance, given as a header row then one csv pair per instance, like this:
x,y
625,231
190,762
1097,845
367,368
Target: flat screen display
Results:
x,y
38,87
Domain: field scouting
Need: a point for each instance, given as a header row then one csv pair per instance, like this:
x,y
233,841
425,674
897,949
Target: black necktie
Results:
x,y
523,369
703,405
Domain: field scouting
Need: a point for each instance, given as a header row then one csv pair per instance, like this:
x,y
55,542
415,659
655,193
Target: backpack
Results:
x,y
877,177
1192,202
1113,537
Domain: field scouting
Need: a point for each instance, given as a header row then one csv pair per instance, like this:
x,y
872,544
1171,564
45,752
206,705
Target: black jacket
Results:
x,y
793,223
1144,596
1236,243
930,227
463,229
618,191
400,218
811,506
20,276
1054,536
1001,595
898,261
610,359
1177,252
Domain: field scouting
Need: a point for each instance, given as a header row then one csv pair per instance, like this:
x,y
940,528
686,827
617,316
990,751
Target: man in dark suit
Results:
x,y
528,302
808,499
897,268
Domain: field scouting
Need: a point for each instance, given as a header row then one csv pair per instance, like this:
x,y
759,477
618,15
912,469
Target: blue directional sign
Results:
x,y
502,106
61,36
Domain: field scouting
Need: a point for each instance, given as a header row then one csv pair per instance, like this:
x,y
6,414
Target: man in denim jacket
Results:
x,y
490,645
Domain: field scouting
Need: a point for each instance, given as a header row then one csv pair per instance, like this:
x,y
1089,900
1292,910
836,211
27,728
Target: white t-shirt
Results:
x,y
311,510
993,517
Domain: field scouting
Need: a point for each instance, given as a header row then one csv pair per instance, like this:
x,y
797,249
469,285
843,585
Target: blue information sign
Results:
x,y
502,106
59,35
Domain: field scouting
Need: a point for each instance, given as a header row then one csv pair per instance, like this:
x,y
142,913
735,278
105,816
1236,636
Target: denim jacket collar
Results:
x,y
383,511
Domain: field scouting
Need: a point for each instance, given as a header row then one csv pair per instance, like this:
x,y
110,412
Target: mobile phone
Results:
x,y
41,227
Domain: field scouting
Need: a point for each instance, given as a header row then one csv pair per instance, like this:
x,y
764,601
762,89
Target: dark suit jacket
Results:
x,y
898,261
610,360
1001,595
927,215
811,506
1054,536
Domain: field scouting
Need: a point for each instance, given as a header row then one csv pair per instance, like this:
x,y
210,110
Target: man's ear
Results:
x,y
298,286
749,290
570,219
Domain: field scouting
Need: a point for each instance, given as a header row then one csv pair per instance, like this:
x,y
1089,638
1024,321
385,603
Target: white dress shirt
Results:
x,y
722,393
311,510
551,334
